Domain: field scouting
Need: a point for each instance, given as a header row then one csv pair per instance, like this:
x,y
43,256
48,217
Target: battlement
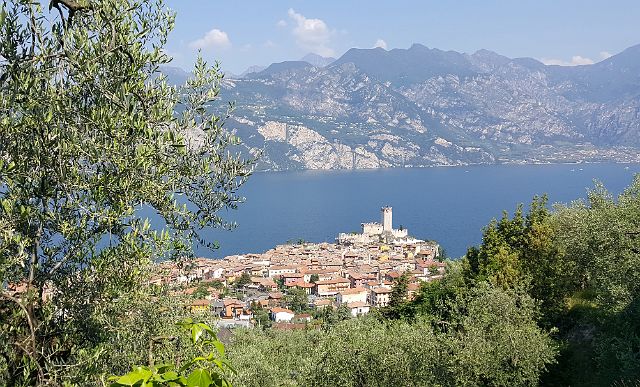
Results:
x,y
373,231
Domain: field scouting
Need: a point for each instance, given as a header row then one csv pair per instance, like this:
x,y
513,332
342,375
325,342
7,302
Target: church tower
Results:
x,y
387,219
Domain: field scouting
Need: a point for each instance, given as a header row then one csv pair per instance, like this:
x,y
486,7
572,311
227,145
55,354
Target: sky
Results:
x,y
243,33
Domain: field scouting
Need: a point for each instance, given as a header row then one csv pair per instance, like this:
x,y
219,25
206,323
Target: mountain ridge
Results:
x,y
423,106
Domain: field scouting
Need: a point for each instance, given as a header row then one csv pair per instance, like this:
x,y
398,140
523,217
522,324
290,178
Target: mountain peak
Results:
x,y
317,60
252,69
418,46
280,67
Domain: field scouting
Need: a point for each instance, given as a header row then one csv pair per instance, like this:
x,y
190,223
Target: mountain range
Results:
x,y
422,106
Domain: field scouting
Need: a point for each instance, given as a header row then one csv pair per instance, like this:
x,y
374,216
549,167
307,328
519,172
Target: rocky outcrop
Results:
x,y
422,107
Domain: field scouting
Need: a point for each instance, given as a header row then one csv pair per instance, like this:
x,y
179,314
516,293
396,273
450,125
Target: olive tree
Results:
x,y
91,137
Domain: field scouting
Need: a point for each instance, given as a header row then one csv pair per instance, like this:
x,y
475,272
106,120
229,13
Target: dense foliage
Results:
x,y
92,141
209,369
494,341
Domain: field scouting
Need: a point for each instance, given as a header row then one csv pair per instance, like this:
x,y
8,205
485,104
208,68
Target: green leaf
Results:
x,y
171,375
219,346
133,377
199,378
196,332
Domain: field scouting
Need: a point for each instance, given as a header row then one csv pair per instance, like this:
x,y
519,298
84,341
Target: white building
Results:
x,y
281,315
351,296
359,308
280,270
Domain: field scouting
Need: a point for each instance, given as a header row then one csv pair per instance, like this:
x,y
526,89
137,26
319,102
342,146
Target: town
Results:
x,y
286,283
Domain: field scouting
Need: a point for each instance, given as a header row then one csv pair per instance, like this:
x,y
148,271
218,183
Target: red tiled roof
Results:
x,y
353,291
232,301
334,281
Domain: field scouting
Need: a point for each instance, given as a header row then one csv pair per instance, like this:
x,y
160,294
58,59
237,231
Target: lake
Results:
x,y
446,204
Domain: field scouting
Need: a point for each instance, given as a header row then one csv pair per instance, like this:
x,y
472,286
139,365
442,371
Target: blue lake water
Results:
x,y
447,204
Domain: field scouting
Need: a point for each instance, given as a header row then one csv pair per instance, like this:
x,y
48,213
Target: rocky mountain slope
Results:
x,y
374,108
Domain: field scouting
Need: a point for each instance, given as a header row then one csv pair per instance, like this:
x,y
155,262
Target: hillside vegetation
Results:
x,y
549,297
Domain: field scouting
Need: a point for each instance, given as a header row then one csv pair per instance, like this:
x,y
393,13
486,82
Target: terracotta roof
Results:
x,y
283,267
357,290
232,301
334,281
381,290
304,285
293,275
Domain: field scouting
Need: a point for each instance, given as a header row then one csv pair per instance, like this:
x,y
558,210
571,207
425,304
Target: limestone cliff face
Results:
x,y
423,107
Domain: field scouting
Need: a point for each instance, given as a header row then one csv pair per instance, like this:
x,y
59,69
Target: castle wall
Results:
x,y
372,228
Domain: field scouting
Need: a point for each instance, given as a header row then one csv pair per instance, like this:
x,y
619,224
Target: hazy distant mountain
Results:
x,y
317,60
421,106
251,70
175,75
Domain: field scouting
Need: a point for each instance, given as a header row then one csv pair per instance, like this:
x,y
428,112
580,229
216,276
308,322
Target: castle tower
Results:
x,y
387,220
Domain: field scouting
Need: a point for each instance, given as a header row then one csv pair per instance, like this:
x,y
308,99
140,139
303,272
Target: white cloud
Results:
x,y
269,44
576,60
605,55
281,23
311,34
380,43
212,39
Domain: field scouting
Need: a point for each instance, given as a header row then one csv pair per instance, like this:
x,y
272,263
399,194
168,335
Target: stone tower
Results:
x,y
387,219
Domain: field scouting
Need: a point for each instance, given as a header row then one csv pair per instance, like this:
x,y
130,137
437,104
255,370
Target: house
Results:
x,y
199,306
233,308
412,290
307,287
323,274
359,308
216,273
281,314
392,276
265,284
259,271
275,299
331,287
350,296
290,278
379,296
302,317
280,270
323,303
359,279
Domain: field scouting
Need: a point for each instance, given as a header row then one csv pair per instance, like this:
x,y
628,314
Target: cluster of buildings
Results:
x,y
359,272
